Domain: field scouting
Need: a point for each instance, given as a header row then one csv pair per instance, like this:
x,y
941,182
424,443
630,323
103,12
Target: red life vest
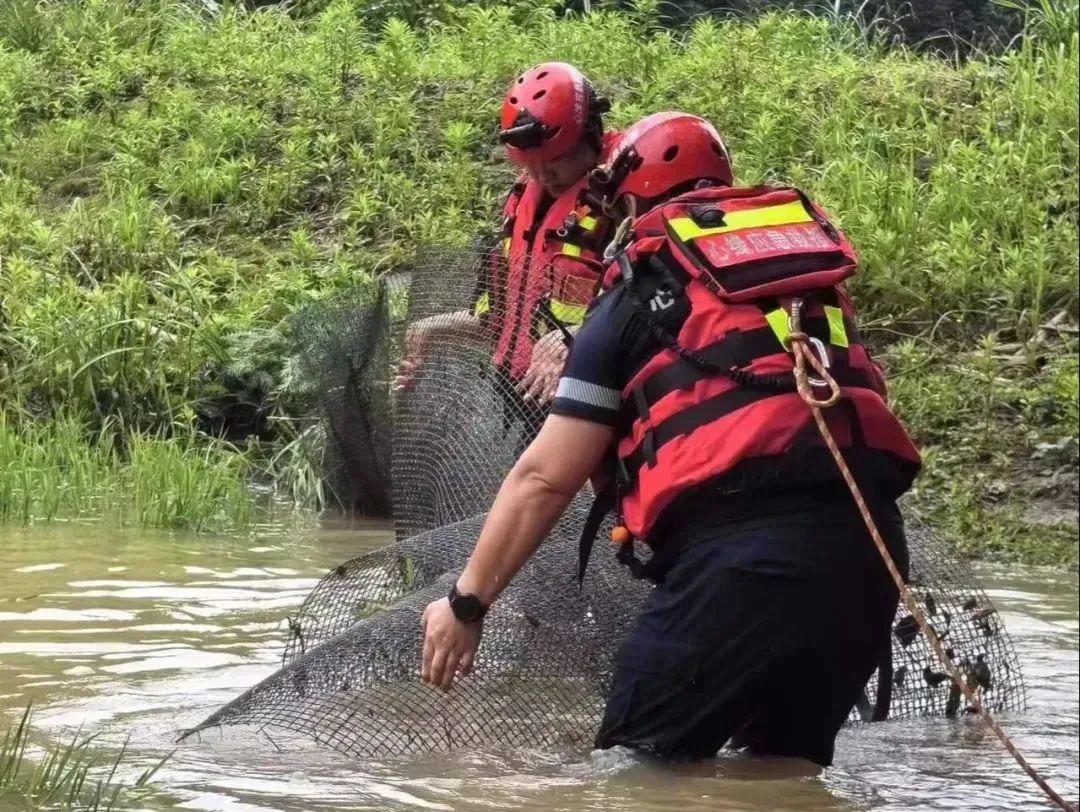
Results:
x,y
739,256
550,273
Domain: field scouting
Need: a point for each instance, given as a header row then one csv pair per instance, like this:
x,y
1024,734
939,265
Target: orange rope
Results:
x,y
797,342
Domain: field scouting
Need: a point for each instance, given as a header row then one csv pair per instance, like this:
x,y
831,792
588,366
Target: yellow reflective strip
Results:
x,y
482,306
567,313
778,215
837,330
506,246
570,250
588,223
778,320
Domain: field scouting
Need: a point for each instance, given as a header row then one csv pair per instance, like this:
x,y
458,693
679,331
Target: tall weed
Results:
x,y
68,777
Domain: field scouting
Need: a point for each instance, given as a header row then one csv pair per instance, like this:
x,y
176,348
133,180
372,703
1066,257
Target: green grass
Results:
x,y
68,777
998,426
53,470
174,184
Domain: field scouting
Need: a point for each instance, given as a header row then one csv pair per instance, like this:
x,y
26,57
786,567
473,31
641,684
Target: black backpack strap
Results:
x,y
884,684
601,506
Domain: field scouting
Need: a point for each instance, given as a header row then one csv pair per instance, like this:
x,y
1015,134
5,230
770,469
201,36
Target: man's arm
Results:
x,y
570,446
533,496
458,325
536,492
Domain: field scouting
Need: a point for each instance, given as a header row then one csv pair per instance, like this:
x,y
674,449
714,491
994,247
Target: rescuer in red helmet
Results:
x,y
772,606
548,271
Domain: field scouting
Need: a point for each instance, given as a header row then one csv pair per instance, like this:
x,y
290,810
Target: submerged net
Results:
x,y
350,677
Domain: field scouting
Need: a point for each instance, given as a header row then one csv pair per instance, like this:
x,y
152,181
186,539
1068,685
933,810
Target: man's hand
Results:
x,y
449,645
416,340
406,372
542,378
443,326
532,497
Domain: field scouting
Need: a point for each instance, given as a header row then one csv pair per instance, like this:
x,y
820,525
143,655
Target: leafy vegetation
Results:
x,y
53,470
952,27
65,778
997,423
175,181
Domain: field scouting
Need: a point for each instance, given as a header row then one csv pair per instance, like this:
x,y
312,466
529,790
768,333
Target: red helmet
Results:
x,y
547,111
659,153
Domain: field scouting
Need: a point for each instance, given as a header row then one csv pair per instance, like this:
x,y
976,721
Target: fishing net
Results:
x,y
340,362
350,674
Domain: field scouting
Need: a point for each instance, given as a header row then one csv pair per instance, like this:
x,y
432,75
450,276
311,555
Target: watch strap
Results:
x,y
459,600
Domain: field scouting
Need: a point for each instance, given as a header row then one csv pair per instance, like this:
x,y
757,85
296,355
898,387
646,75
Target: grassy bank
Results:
x,y
174,184
997,423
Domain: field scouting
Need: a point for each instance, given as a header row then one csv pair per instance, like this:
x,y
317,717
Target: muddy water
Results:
x,y
134,634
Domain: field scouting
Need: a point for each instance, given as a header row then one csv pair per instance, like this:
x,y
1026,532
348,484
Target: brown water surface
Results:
x,y
132,633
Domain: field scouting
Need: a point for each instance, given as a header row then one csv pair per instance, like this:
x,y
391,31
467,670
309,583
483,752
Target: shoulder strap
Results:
x,y
510,206
513,197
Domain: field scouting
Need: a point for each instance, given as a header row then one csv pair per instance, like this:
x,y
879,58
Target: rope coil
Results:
x,y
798,343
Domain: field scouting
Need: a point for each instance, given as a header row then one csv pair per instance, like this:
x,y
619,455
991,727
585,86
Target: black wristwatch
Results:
x,y
467,608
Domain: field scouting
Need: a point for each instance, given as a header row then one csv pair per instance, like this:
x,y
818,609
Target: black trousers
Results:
x,y
766,633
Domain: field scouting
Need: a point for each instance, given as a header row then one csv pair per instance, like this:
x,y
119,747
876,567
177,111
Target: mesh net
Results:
x,y
341,362
350,676
459,424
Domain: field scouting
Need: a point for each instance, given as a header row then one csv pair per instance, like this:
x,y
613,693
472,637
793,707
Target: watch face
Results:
x,y
466,607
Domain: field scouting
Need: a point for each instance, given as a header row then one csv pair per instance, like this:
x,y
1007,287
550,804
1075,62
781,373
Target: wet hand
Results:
x,y
542,378
449,645
406,371
416,340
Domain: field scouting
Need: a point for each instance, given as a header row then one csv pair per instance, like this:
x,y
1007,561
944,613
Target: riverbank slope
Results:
x,y
174,184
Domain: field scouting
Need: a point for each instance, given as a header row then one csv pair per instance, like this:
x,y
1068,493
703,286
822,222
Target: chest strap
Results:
x,y
712,409
736,350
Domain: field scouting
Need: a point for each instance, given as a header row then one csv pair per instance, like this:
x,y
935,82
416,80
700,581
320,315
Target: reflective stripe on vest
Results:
x,y
588,224
779,215
566,312
834,316
838,333
689,424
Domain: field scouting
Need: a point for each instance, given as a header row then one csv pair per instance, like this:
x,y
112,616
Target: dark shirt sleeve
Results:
x,y
599,363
